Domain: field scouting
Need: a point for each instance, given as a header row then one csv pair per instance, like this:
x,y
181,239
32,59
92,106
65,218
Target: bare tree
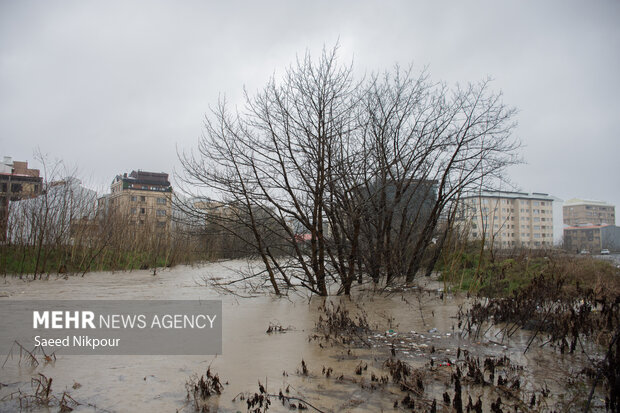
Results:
x,y
332,179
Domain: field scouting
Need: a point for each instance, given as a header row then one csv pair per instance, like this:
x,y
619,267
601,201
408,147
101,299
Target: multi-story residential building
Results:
x,y
588,212
52,214
509,219
143,198
17,182
592,238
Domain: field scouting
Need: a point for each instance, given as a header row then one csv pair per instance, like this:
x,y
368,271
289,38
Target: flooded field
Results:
x,y
418,327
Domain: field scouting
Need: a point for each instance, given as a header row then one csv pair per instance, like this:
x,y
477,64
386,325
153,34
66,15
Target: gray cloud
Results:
x,y
115,86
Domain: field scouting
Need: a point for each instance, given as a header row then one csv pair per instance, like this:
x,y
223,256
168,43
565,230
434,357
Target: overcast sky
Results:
x,y
111,86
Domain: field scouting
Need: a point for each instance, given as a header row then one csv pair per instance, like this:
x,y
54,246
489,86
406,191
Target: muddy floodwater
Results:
x,y
418,327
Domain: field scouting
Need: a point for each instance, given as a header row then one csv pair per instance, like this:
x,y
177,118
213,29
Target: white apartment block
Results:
x,y
509,219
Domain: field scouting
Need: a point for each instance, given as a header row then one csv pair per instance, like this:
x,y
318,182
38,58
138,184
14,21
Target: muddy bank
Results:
x,y
416,327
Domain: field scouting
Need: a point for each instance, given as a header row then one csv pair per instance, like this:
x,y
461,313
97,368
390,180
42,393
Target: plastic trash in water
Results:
x,y
432,330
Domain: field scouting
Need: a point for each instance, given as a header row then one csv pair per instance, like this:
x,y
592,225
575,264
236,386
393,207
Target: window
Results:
x,y
161,212
142,198
161,201
16,187
143,210
134,211
134,198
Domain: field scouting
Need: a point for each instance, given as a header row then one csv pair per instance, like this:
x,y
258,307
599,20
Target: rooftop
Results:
x,y
579,201
144,178
590,226
512,195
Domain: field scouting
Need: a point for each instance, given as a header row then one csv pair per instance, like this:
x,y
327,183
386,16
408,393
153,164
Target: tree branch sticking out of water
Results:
x,y
30,356
336,324
201,389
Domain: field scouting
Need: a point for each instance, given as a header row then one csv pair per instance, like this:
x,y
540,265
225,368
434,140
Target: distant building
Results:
x,y
509,219
588,212
144,198
53,213
411,200
16,182
592,238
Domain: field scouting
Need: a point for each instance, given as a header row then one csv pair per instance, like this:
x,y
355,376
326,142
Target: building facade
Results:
x,y
509,219
17,182
577,212
592,238
142,198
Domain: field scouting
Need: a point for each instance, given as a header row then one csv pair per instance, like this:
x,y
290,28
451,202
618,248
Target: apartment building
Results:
x,y
592,238
144,198
509,219
17,182
578,212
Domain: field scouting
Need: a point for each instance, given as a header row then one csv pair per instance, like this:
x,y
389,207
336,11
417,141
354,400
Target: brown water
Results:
x,y
157,383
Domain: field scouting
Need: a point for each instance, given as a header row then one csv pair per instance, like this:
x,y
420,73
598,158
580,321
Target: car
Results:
x,y
584,252
605,251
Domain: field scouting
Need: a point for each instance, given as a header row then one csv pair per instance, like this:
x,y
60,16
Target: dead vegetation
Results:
x,y
336,325
277,328
31,357
567,313
201,389
260,401
40,395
